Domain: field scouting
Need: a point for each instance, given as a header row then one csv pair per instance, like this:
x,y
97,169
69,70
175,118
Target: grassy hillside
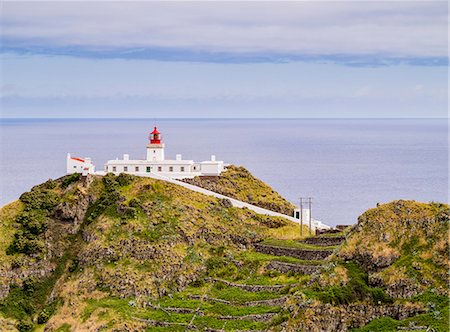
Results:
x,y
122,253
69,242
239,183
403,246
396,257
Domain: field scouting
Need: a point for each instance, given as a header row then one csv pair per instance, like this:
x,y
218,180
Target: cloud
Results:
x,y
358,33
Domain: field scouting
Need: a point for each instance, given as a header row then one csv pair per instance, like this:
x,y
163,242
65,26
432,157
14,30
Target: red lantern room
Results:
x,y
155,137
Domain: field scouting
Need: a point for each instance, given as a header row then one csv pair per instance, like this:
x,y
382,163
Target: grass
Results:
x,y
8,214
192,233
288,232
25,302
356,289
215,307
239,183
166,329
238,295
295,244
64,328
265,258
384,324
126,312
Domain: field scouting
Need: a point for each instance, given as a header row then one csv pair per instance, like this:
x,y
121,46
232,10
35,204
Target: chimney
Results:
x,y
178,157
213,158
126,157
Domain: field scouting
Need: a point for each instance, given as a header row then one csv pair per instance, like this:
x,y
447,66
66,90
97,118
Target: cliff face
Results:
x,y
393,263
123,253
403,246
239,183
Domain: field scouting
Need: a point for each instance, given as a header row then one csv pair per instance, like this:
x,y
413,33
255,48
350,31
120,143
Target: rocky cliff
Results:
x,y
122,253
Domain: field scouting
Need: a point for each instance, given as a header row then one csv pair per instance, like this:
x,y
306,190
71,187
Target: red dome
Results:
x,y
155,137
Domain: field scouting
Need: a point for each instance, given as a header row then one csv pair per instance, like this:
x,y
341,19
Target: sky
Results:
x,y
304,59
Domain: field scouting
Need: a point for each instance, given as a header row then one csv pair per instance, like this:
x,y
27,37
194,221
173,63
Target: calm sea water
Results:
x,y
347,166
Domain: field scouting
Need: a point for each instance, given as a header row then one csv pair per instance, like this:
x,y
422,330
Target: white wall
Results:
x,y
166,168
76,166
211,168
155,152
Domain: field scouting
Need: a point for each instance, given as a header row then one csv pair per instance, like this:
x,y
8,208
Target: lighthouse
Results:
x,y
155,164
155,149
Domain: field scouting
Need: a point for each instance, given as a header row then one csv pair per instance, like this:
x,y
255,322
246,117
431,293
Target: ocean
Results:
x,y
346,166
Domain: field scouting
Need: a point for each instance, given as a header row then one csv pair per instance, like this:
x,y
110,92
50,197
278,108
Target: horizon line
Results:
x,y
225,118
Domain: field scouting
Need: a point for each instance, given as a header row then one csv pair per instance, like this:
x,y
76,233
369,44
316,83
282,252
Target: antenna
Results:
x,y
308,201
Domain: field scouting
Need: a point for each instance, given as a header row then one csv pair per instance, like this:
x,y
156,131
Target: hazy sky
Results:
x,y
224,59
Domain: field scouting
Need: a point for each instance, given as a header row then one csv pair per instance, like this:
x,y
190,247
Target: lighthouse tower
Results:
x,y
155,150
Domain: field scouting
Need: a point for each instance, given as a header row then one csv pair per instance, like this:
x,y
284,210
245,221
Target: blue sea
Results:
x,y
346,166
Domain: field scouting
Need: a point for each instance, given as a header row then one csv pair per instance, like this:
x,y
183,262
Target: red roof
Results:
x,y
78,159
155,131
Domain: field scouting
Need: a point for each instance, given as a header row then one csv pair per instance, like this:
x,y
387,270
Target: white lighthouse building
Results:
x,y
155,163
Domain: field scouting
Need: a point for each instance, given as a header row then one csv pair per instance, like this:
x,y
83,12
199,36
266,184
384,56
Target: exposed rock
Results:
x,y
325,317
226,203
372,262
73,212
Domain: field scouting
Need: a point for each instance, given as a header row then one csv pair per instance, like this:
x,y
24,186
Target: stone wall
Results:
x,y
293,252
325,241
289,267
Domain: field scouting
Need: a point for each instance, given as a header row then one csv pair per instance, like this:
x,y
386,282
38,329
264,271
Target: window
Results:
x,y
182,169
154,151
74,166
149,169
170,169
125,168
136,168
114,168
159,169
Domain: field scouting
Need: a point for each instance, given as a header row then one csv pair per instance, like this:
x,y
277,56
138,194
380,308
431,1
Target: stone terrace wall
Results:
x,y
325,241
289,267
292,252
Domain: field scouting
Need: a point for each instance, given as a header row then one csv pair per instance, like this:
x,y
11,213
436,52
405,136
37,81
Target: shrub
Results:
x,y
124,179
39,200
29,284
25,326
74,265
70,179
356,289
16,262
197,283
134,202
26,244
109,181
43,317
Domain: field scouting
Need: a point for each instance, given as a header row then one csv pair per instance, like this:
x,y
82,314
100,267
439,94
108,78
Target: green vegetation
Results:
x,y
148,251
33,220
295,244
64,328
356,289
68,180
239,183
437,317
413,249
